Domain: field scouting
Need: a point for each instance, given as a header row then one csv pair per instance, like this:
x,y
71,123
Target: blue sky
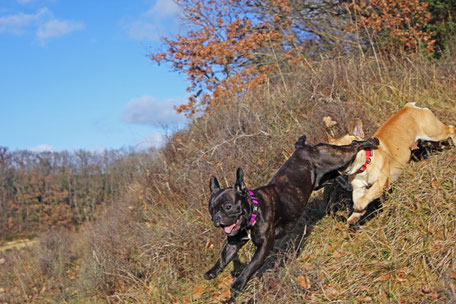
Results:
x,y
74,74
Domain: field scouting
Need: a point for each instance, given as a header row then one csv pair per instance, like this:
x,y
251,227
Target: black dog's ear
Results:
x,y
239,184
214,185
300,142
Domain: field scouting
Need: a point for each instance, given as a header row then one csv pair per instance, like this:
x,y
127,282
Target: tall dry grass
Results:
x,y
154,246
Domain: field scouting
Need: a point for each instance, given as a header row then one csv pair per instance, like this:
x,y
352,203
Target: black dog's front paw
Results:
x,y
237,286
371,143
211,274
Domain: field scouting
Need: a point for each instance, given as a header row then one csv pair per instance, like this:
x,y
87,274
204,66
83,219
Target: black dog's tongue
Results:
x,y
229,229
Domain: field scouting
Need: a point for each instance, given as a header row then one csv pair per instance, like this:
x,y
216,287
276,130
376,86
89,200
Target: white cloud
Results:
x,y
163,9
57,28
141,29
160,20
15,24
147,110
18,23
42,148
46,25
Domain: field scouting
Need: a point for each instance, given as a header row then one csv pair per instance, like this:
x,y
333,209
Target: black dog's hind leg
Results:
x,y
276,257
342,181
228,252
239,283
264,247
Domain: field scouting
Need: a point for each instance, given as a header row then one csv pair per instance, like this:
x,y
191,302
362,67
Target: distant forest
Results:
x,y
44,190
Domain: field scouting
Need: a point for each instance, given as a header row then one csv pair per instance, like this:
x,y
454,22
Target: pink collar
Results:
x,y
255,207
369,154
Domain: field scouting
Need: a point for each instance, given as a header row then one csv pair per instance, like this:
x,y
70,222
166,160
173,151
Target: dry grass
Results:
x,y
17,244
155,245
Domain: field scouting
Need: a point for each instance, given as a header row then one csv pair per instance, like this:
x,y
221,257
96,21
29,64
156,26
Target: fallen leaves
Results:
x,y
224,287
304,282
214,291
197,292
429,292
401,276
329,122
332,290
453,274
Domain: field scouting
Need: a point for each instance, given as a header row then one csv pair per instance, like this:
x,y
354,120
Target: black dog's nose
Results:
x,y
216,219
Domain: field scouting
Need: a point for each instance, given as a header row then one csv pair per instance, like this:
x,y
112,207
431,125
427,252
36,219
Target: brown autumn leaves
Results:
x,y
231,46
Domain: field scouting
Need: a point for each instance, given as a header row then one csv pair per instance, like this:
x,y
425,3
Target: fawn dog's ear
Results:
x,y
358,128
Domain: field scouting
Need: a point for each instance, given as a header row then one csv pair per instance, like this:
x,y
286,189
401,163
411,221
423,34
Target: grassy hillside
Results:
x,y
154,246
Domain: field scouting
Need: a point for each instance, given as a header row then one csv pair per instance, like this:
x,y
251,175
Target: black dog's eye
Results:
x,y
227,207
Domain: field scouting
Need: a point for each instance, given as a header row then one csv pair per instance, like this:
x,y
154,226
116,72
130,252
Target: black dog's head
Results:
x,y
229,207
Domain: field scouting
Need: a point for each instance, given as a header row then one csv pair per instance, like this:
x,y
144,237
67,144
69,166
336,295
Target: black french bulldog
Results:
x,y
267,213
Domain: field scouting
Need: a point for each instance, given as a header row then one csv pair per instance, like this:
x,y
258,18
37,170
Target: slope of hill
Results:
x,y
154,246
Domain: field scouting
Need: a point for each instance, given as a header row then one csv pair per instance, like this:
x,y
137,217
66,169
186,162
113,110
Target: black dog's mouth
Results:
x,y
230,229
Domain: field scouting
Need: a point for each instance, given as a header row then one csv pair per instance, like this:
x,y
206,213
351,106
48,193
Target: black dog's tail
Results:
x,y
301,142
